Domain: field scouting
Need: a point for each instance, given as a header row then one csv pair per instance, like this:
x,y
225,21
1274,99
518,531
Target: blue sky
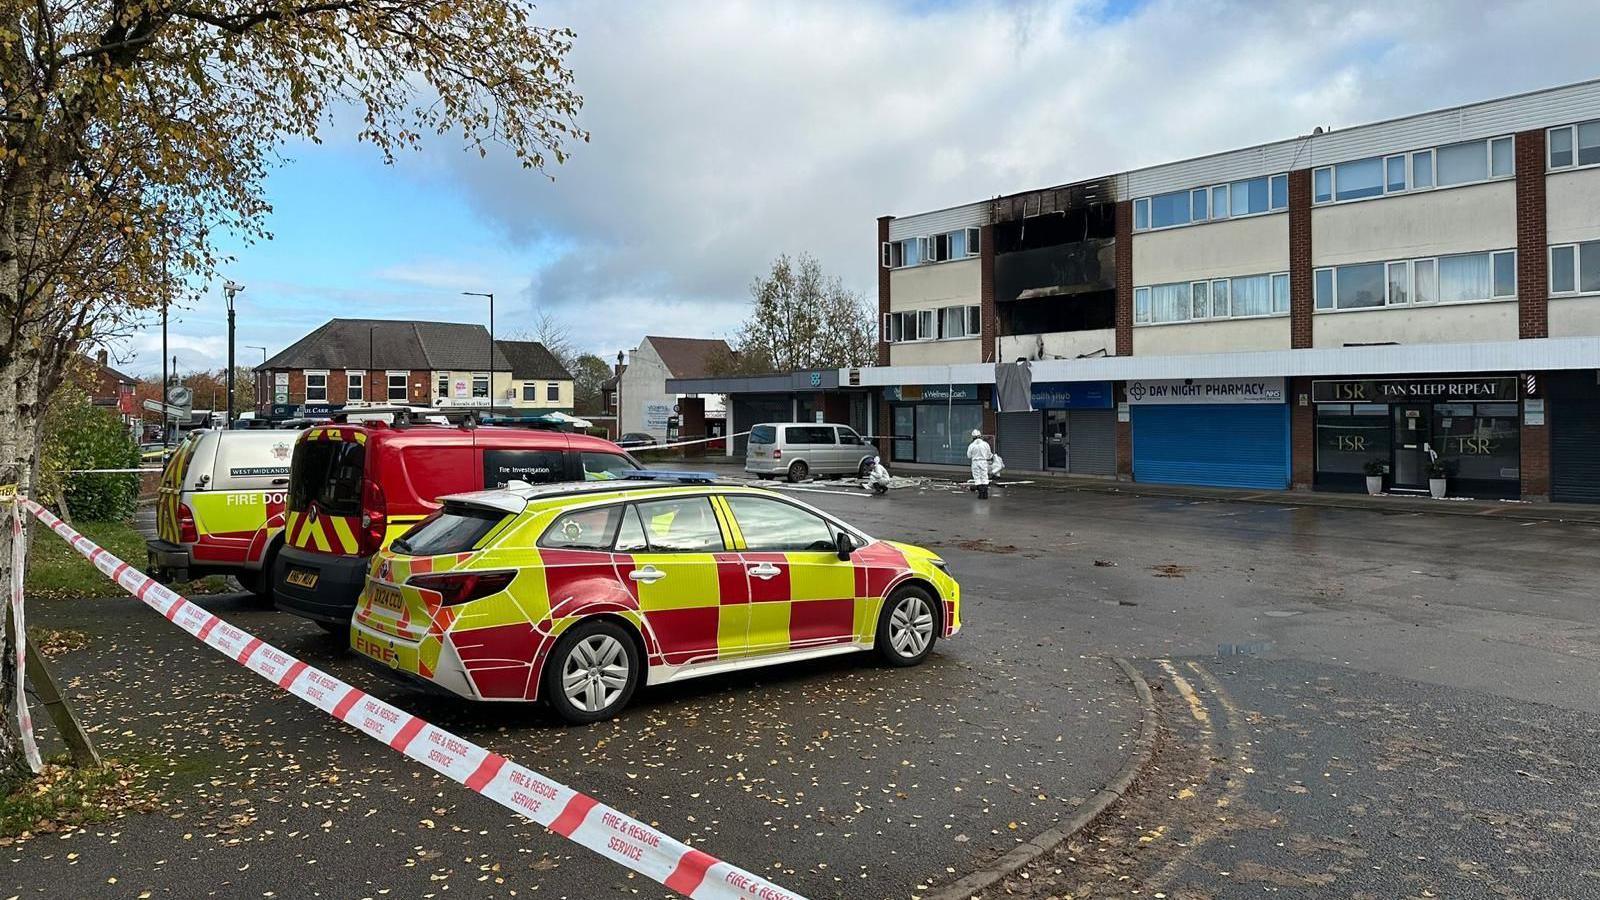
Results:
x,y
725,133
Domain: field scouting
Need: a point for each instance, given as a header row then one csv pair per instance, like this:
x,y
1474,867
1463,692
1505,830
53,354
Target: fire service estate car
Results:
x,y
577,593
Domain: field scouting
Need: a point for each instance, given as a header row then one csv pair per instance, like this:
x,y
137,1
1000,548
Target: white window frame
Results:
x,y
1217,205
530,392
443,384
405,385
355,384
1577,268
927,324
1572,130
1214,287
316,373
1411,264
974,239
1410,156
488,385
552,392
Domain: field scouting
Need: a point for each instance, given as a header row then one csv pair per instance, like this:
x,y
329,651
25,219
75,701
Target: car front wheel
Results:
x,y
907,627
592,673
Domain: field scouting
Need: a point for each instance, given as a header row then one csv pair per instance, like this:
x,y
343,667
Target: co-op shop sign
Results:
x,y
1206,390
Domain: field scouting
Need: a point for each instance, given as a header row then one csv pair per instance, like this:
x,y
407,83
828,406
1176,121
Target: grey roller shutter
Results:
x,y
1021,440
1093,437
1574,451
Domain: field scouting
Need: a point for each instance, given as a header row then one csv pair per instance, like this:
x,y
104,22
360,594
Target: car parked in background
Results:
x,y
579,594
220,506
637,439
355,487
798,450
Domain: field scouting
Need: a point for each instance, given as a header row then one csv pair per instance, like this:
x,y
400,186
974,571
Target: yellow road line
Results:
x,y
1196,708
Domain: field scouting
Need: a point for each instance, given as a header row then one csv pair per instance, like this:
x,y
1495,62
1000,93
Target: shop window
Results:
x,y
480,384
1479,441
1351,435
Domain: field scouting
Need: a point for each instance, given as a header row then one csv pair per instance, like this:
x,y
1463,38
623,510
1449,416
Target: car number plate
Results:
x,y
387,598
306,578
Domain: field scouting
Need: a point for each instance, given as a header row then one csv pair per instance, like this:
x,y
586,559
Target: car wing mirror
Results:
x,y
845,544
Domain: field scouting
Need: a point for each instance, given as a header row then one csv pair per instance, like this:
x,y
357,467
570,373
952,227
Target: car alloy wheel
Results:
x,y
798,471
907,627
592,673
595,673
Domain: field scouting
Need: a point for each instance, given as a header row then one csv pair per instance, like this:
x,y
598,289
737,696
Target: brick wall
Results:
x,y
885,429
1124,250
1302,304
1124,437
1302,436
883,286
986,292
1533,304
1536,462
991,424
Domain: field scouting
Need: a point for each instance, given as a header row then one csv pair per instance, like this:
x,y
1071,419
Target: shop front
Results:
x,y
1574,423
1071,428
1217,432
1471,425
933,423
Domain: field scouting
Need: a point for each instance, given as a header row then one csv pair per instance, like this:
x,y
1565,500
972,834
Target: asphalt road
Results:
x,y
1414,696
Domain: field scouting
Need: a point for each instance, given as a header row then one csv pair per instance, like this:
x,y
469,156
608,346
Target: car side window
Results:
x,y
584,529
772,525
849,436
630,536
606,466
809,434
686,524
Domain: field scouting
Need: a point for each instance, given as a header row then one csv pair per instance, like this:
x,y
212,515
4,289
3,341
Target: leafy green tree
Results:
x,y
134,133
589,372
802,319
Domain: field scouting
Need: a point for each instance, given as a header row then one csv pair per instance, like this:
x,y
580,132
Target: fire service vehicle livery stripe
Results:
x,y
578,817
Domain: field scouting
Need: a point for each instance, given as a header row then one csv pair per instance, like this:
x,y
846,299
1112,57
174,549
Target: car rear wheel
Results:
x,y
907,627
864,471
592,672
798,470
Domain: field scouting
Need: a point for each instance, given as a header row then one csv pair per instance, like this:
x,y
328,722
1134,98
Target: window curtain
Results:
x,y
1169,303
1468,277
1252,296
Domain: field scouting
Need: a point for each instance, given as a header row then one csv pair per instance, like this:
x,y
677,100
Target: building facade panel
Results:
x,y
1222,336
1252,246
1441,324
971,215
935,285
1572,206
1430,223
929,353
1574,316
1058,344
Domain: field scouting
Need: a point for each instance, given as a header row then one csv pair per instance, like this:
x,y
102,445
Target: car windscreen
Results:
x,y
329,473
453,529
764,434
606,466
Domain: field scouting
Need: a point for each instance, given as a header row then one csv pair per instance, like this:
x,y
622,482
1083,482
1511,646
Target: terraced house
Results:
x,y
1296,314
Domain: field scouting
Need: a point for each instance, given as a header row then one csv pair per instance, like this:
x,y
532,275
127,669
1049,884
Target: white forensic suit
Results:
x,y
981,454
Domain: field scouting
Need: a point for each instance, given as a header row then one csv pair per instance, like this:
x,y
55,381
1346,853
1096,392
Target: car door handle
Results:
x,y
765,571
648,574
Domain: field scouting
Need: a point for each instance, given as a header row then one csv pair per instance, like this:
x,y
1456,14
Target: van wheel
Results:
x,y
907,627
592,672
865,471
798,470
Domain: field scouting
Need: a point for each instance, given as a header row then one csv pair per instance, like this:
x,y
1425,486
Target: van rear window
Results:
x,y
763,434
329,473
453,529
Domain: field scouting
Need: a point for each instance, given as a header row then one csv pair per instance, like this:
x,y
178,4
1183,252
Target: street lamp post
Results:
x,y
166,414
261,392
230,290
490,295
618,393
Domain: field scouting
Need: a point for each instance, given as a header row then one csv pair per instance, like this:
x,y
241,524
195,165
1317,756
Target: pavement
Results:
x,y
1353,703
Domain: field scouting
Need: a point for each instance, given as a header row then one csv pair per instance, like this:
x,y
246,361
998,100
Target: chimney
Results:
x,y
100,357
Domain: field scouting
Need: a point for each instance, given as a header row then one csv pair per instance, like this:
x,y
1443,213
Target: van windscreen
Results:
x,y
328,472
763,434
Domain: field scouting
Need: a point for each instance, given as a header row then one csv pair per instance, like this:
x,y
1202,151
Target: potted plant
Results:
x,y
1438,478
1374,469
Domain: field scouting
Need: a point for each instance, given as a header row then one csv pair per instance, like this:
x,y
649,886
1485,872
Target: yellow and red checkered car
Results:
x,y
698,578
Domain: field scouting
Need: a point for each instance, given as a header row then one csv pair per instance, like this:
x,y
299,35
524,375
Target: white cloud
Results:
x,y
727,133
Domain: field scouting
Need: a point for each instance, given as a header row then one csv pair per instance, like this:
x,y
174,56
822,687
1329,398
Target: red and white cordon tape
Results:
x,y
19,564
575,816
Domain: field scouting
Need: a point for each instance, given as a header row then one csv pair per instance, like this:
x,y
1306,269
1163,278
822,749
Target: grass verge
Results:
x,y
63,797
58,572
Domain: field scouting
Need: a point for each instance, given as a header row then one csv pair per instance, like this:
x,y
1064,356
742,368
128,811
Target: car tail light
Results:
x,y
462,587
777,453
187,533
374,518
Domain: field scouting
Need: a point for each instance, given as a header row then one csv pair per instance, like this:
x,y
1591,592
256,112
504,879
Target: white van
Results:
x,y
798,450
220,507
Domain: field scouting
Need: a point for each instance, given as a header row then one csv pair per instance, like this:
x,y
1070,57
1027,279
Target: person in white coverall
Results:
x,y
981,455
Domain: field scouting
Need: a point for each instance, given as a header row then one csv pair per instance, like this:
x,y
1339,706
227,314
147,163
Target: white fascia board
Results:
x,y
1538,355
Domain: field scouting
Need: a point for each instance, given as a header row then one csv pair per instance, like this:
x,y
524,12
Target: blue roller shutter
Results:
x,y
1231,445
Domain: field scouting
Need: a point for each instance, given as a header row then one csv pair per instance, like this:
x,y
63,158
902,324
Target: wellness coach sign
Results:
x,y
1206,390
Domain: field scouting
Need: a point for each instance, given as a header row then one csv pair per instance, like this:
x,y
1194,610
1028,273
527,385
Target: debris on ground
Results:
x,y
1104,563
1170,570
